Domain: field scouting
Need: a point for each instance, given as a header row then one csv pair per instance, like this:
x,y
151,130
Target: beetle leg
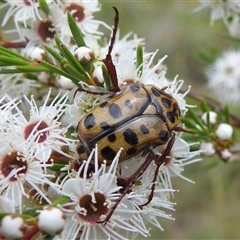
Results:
x,y
93,92
159,161
181,129
129,182
132,179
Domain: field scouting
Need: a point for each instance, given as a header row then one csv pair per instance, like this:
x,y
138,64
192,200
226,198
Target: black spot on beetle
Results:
x,y
104,125
134,87
130,137
89,121
176,109
128,104
112,137
156,92
163,135
131,151
166,102
102,105
108,153
81,149
115,111
144,129
171,116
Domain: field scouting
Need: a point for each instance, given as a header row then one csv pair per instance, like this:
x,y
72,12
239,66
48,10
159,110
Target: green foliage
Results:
x,y
44,6
139,59
76,33
209,53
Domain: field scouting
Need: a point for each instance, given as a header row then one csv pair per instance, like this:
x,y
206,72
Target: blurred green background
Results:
x,y
210,208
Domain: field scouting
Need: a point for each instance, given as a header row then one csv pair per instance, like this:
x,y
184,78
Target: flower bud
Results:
x,y
207,149
226,154
84,55
224,131
98,75
212,117
43,77
12,227
36,53
51,220
65,83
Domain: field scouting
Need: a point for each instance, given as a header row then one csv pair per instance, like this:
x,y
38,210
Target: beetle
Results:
x,y
137,118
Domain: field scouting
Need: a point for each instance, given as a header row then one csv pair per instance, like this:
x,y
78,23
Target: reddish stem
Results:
x,y
8,44
108,59
31,233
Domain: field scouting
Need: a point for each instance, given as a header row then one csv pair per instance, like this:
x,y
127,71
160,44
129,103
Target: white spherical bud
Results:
x,y
43,77
226,154
207,149
12,227
84,55
51,220
65,83
212,117
224,131
98,75
36,53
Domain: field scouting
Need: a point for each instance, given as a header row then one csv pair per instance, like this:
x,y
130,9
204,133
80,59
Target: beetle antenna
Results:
x,y
108,59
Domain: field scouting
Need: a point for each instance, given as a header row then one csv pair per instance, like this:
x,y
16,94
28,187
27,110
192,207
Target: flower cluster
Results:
x,y
218,125
227,10
224,77
223,73
221,140
43,179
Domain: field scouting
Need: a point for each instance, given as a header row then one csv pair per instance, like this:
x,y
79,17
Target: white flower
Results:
x,y
92,196
224,131
42,131
127,71
15,85
22,11
224,77
6,106
180,156
20,172
173,89
234,26
82,104
123,48
6,205
220,8
40,32
82,11
140,191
